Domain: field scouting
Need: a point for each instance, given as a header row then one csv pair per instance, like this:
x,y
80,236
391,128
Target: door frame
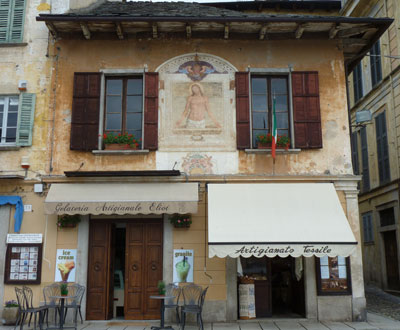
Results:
x,y
83,245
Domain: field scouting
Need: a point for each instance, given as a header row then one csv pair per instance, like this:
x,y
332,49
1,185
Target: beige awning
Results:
x,y
122,198
296,219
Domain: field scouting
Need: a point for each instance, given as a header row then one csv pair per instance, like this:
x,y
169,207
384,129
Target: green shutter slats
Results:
x,y
12,14
25,119
4,19
17,23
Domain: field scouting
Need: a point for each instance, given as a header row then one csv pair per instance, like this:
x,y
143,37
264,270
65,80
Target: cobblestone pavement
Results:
x,y
382,303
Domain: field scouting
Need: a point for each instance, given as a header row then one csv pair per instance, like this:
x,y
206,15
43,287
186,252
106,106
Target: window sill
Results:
x,y
268,151
9,148
120,152
13,44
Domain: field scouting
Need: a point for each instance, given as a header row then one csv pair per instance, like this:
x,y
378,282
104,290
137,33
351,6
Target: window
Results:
x,y
387,217
124,109
375,61
364,159
357,82
255,94
382,148
264,89
368,228
8,119
354,152
12,13
333,276
124,106
16,119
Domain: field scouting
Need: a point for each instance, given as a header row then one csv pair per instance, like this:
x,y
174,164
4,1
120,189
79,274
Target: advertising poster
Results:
x,y
183,266
65,265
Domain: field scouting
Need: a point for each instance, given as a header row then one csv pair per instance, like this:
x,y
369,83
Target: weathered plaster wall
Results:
x,y
321,56
28,61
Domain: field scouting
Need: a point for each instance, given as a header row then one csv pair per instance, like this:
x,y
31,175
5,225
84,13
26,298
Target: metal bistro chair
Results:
x,y
173,290
24,298
75,301
50,291
193,297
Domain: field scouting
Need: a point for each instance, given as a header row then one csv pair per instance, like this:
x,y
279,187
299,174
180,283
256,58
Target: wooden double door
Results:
x,y
143,269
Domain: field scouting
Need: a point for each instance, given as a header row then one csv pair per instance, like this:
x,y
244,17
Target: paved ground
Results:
x,y
383,314
382,303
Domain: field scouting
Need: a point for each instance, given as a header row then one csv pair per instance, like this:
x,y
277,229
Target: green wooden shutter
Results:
x,y
5,6
17,21
25,119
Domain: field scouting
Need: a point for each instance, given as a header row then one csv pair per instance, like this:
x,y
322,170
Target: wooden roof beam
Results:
x,y
355,42
188,31
333,31
120,32
226,31
85,30
354,31
52,29
155,31
299,31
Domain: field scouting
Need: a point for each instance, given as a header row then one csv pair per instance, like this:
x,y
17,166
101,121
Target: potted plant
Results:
x,y
264,141
64,288
10,312
283,142
161,287
181,220
120,141
68,221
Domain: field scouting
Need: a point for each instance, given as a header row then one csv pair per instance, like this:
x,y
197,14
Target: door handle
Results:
x,y
153,267
135,267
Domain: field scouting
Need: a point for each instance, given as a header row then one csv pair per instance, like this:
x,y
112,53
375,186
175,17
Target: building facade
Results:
x,y
373,86
199,87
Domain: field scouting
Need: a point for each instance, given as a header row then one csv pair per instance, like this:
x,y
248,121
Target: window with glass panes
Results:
x,y
264,89
375,61
124,106
8,119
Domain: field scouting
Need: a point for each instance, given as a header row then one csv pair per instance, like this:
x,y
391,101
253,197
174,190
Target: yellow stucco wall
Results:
x,y
322,56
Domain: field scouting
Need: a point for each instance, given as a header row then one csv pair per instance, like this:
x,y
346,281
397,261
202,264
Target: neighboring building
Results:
x,y
24,88
374,86
196,84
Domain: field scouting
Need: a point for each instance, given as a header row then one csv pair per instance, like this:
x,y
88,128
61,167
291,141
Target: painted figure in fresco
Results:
x,y
197,106
196,70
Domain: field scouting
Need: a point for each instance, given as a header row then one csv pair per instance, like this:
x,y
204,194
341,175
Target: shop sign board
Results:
x,y
24,238
183,266
65,265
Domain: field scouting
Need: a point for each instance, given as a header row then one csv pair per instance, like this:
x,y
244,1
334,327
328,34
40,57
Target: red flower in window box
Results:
x,y
123,141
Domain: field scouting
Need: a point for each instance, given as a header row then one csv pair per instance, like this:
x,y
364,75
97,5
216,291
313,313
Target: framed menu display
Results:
x,y
23,264
333,276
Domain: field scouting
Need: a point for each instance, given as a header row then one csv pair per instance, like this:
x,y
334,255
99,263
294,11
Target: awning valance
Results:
x,y
296,219
122,198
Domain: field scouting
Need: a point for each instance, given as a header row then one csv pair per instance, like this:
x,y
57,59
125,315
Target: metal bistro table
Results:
x,y
62,304
162,326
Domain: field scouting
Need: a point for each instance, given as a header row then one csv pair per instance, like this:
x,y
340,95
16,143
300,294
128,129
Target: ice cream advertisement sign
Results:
x,y
183,266
65,265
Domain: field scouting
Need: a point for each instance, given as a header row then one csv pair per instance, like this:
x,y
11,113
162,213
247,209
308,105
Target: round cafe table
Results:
x,y
62,304
162,309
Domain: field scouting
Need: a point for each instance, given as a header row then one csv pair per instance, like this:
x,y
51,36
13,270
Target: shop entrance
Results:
x,y
278,285
124,267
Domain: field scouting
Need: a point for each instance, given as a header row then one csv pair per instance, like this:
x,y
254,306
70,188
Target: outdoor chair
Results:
x,y
50,291
75,301
173,290
25,298
193,297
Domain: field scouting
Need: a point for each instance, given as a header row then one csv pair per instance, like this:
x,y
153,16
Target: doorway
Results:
x,y
125,264
278,287
392,265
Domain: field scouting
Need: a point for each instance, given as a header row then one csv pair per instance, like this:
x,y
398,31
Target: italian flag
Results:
x,y
274,132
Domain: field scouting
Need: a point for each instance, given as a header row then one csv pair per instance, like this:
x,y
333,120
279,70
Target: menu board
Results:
x,y
23,264
333,275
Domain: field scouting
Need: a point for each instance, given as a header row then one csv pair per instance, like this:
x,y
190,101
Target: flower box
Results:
x,y
119,146
181,220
